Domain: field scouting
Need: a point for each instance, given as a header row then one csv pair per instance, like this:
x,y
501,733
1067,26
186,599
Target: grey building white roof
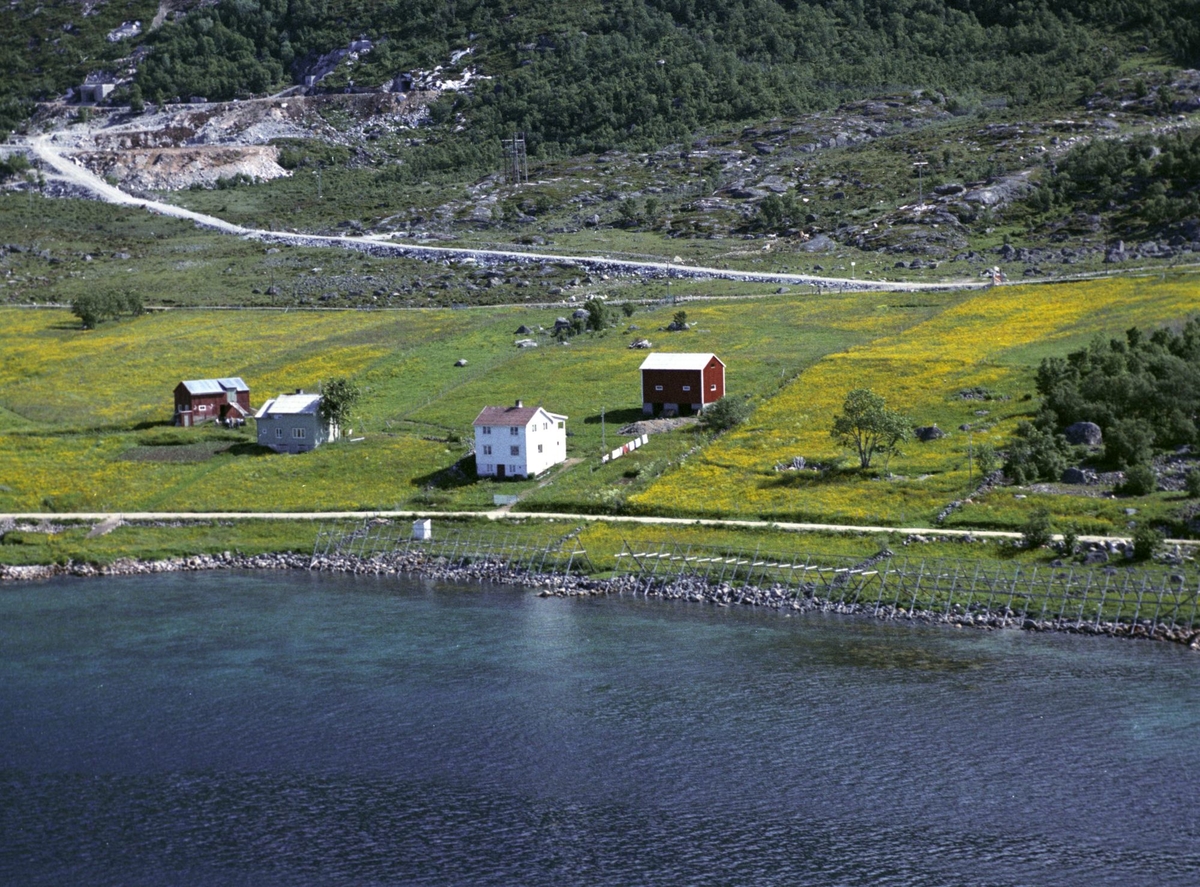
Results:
x,y
215,386
682,361
290,405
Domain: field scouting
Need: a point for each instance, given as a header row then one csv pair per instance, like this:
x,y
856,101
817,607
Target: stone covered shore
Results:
x,y
774,597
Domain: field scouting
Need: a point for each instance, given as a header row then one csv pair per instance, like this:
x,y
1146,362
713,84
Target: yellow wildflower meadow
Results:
x,y
984,341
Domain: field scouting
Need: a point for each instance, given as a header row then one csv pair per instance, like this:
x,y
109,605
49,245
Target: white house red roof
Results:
x,y
691,360
518,416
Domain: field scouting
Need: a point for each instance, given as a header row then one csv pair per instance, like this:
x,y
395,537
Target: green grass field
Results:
x,y
84,414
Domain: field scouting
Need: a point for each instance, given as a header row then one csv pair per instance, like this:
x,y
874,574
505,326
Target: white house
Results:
x,y
518,441
292,423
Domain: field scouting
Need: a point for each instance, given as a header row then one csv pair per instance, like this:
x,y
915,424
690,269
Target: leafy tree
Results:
x,y
339,396
726,413
1139,481
868,427
14,165
986,458
95,308
779,212
1070,540
1142,390
599,315
1191,483
1146,542
679,318
1035,455
1036,532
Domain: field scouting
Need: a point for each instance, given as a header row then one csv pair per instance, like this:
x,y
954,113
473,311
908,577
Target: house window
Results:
x,y
487,429
514,451
658,388
514,430
687,387
539,448
514,469
279,432
298,433
487,449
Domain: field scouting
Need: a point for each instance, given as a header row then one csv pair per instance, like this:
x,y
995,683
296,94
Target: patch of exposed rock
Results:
x,y
171,169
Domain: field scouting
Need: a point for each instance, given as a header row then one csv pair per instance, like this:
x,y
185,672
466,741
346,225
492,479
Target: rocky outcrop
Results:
x,y
802,599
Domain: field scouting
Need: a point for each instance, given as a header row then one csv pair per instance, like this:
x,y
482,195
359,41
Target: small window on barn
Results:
x,y
514,451
687,387
658,388
712,387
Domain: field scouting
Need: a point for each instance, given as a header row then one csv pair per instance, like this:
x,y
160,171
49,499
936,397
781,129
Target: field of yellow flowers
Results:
x,y
84,415
992,340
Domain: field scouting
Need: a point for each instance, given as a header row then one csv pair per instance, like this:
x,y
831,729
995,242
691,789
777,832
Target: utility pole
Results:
x,y
603,435
920,191
516,162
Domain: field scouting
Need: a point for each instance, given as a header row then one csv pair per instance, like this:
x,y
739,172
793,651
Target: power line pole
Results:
x,y
920,191
516,161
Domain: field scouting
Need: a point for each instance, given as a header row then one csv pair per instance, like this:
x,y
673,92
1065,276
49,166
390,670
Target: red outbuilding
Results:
x,y
671,381
212,400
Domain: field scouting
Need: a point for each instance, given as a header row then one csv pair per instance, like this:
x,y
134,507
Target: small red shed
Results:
x,y
211,400
672,380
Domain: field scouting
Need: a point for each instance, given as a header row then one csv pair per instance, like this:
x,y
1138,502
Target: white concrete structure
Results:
x,y
292,423
518,441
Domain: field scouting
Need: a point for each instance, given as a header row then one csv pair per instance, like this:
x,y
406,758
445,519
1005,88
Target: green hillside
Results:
x,y
84,414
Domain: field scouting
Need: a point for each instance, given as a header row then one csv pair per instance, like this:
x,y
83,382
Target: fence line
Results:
x,y
1067,596
1062,596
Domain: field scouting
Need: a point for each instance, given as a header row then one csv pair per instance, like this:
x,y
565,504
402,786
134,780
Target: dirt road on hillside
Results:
x,y
71,172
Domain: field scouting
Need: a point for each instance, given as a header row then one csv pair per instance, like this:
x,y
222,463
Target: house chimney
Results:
x,y
519,404
299,390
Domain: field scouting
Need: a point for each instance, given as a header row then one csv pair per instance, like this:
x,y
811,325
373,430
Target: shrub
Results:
x,y
1036,455
1191,483
726,413
1127,443
986,459
1070,540
1036,531
1146,542
1139,481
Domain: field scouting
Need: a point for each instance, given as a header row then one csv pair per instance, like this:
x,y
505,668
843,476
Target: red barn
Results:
x,y
672,380
212,400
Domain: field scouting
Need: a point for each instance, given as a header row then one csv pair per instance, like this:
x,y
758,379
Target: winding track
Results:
x,y
68,170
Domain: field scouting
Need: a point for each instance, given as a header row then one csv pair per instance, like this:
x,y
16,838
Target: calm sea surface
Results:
x,y
287,729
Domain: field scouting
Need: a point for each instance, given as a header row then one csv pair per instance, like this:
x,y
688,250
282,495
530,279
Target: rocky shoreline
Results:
x,y
775,597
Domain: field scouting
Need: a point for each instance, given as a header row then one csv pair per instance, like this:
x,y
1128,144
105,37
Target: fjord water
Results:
x,y
290,729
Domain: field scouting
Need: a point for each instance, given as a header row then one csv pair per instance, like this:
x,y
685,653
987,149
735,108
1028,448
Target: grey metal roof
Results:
x,y
215,386
290,405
